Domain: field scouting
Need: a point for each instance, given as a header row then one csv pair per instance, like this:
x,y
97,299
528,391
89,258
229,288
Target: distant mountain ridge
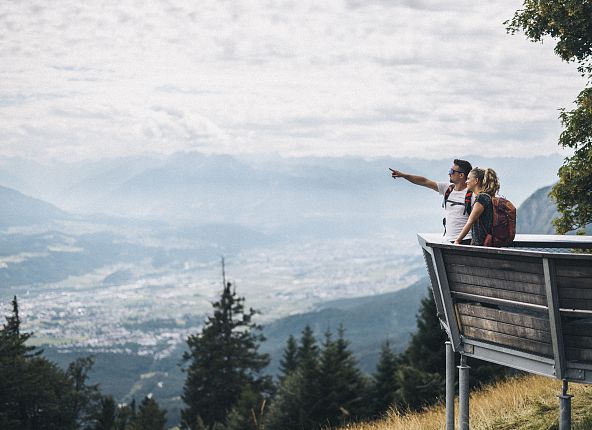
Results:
x,y
17,209
294,197
535,215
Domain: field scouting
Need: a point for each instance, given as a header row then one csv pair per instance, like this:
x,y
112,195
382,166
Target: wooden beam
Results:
x,y
554,317
453,324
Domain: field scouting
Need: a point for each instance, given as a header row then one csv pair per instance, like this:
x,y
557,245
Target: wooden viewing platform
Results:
x,y
528,306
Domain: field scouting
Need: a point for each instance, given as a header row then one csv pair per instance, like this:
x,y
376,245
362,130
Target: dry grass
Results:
x,y
528,403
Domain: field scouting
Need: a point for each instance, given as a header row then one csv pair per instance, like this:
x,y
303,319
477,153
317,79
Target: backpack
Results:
x,y
503,227
468,196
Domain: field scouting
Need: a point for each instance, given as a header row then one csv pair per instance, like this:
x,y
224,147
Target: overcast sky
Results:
x,y
425,78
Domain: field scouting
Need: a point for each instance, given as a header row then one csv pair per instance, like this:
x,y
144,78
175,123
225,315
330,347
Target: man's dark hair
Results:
x,y
464,166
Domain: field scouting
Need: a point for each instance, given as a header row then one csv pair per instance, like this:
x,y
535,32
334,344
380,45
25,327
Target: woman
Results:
x,y
484,185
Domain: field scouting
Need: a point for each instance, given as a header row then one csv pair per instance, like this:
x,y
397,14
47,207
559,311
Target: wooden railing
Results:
x,y
528,306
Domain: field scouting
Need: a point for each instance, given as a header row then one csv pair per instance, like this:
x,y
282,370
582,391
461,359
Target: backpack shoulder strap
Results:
x,y
447,194
468,197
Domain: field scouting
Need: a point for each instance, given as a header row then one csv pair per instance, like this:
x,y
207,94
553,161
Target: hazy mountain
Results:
x,y
292,197
535,215
18,209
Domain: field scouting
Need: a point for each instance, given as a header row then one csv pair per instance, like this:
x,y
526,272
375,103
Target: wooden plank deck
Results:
x,y
526,303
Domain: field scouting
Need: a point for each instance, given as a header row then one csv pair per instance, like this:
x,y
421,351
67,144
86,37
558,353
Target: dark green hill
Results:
x,y
368,322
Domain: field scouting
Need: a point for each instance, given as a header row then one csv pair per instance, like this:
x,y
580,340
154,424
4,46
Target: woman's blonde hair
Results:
x,y
487,179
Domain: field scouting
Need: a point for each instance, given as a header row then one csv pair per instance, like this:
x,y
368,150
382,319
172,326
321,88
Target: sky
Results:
x,y
401,78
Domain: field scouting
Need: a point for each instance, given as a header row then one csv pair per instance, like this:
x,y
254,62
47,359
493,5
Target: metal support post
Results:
x,y
463,393
450,379
565,408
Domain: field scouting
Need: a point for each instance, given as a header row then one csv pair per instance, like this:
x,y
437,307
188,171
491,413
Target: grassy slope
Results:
x,y
525,403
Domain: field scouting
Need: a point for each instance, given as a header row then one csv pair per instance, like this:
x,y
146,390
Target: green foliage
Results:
x,y
386,385
569,22
326,388
223,361
248,413
34,392
426,350
341,386
417,388
105,418
149,416
289,361
86,399
298,392
573,192
12,341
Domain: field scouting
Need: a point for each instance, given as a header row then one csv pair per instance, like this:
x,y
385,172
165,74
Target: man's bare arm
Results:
x,y
415,179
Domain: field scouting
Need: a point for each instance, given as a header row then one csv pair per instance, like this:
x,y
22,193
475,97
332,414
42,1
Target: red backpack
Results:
x,y
503,227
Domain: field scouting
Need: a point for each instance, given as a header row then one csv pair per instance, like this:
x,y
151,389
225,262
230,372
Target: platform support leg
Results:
x,y
450,380
565,408
463,393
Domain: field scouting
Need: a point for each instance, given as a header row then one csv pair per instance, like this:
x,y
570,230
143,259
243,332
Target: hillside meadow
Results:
x,y
521,403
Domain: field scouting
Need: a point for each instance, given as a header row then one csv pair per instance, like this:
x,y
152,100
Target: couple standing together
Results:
x,y
467,201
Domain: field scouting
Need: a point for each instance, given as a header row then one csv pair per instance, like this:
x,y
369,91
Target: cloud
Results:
x,y
87,80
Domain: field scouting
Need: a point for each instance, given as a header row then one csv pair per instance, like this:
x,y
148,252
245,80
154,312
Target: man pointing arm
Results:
x,y
457,201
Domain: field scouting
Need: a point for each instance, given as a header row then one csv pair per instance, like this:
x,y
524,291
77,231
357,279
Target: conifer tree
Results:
x,y
106,415
248,413
289,361
426,350
342,387
150,416
298,391
223,360
12,341
308,351
385,386
86,399
34,393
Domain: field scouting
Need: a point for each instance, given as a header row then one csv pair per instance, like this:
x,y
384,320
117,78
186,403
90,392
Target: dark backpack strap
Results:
x,y
468,207
447,194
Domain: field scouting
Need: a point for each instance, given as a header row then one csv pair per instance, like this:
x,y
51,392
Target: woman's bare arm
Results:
x,y
475,213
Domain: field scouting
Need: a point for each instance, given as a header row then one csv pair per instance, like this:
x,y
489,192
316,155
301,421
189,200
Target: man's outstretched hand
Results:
x,y
396,173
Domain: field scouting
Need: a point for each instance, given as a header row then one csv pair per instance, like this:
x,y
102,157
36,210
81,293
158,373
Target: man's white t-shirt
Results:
x,y
454,212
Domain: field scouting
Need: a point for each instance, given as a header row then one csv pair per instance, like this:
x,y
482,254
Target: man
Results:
x,y
457,201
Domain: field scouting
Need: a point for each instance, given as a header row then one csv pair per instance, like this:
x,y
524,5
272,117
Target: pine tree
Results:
x,y
299,390
34,393
106,416
86,399
385,387
150,416
418,388
248,413
308,351
12,341
342,387
289,361
223,360
426,350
